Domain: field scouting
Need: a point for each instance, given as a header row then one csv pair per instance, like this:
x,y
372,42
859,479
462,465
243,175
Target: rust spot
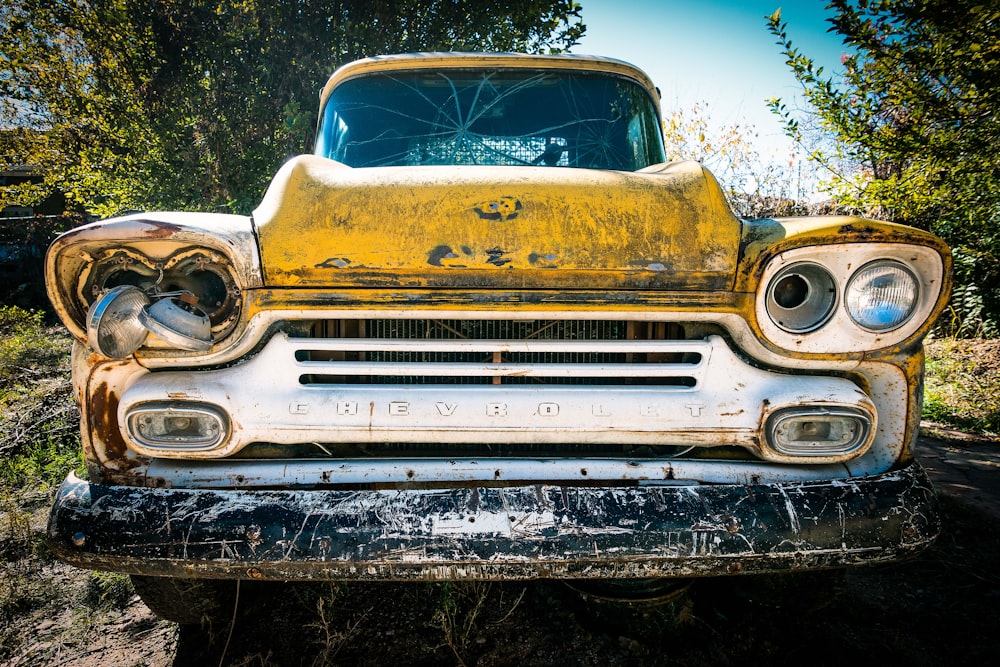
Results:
x,y
732,524
254,573
104,425
410,474
160,230
734,568
864,232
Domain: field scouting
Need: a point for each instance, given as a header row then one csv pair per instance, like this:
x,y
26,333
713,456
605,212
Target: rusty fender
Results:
x,y
519,532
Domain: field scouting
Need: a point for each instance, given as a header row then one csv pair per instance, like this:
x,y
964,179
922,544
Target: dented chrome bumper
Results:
x,y
495,532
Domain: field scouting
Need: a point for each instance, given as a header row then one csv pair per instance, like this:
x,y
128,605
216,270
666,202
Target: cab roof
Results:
x,y
457,60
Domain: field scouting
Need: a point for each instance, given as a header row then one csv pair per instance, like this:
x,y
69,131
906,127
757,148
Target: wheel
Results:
x,y
635,592
643,609
187,601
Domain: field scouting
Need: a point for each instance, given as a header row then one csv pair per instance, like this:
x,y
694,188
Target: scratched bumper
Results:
x,y
518,532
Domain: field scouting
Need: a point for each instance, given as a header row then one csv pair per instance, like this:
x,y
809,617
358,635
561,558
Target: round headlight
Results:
x,y
881,296
801,297
113,326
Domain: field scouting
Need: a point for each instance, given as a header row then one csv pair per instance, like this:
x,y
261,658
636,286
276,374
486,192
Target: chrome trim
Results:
x,y
502,369
298,473
266,399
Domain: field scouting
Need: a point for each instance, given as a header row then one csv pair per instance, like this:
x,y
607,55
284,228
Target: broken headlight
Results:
x,y
188,300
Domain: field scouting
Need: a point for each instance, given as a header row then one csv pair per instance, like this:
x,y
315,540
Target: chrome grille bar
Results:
x,y
419,369
394,358
452,345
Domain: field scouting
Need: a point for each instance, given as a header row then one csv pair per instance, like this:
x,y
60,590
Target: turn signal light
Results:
x,y
818,431
188,426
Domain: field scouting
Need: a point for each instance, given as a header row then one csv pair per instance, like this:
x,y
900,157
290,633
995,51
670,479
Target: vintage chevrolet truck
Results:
x,y
484,331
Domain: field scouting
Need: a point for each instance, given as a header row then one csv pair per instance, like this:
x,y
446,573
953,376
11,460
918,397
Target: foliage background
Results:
x,y
908,130
194,104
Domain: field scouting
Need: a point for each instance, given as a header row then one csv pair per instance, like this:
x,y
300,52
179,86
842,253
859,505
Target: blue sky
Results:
x,y
714,51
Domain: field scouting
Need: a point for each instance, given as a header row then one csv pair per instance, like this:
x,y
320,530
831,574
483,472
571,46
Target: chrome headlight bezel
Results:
x,y
840,333
801,297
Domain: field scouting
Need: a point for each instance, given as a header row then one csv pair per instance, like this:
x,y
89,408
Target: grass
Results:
x,y
39,422
962,385
39,445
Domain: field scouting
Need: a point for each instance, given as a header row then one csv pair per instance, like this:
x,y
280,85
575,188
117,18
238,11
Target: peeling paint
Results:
x,y
504,208
495,256
334,263
439,253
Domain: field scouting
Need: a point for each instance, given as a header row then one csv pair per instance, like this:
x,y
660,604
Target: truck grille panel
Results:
x,y
332,393
501,329
477,352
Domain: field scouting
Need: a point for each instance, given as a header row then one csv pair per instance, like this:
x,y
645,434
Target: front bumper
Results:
x,y
509,532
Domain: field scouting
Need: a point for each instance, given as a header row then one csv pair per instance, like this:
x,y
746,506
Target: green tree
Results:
x,y
915,119
193,104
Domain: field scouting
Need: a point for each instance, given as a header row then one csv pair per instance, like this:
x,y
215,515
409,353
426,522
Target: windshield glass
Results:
x,y
512,117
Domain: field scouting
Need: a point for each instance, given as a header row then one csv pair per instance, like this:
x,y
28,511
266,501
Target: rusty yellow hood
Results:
x,y
322,224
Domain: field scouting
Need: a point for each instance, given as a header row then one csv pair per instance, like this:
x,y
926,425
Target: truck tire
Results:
x,y
187,601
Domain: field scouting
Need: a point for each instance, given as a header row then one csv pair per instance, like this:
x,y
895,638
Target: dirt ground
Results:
x,y
939,608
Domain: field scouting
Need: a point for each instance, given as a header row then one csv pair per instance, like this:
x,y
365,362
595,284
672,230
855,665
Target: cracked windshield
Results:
x,y
555,119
